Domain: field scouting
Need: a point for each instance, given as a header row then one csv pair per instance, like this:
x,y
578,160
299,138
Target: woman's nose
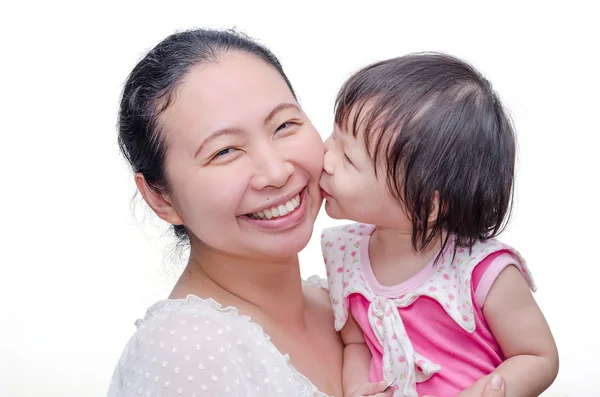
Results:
x,y
271,169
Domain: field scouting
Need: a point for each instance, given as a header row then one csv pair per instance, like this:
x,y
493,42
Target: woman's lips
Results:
x,y
283,222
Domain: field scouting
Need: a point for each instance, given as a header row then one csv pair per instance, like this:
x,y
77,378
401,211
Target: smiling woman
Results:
x,y
222,150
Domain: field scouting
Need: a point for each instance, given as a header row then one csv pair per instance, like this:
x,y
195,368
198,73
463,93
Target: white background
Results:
x,y
77,268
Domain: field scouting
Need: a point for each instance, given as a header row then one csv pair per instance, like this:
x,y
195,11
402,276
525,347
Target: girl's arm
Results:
x,y
517,323
357,359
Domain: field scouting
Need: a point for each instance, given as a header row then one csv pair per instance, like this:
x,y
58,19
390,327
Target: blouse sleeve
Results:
x,y
200,353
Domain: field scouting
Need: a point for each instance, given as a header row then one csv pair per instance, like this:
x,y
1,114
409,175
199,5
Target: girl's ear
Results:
x,y
161,204
435,208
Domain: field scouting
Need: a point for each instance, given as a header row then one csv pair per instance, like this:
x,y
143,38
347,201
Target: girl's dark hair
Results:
x,y
151,87
443,135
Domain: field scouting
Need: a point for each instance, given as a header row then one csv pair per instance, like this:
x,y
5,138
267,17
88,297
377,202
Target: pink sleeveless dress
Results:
x,y
429,332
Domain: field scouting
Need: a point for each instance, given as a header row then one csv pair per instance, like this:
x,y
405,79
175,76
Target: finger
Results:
x,y
495,387
381,386
383,390
389,384
388,393
369,389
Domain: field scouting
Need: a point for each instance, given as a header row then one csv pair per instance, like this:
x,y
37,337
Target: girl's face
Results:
x,y
351,188
244,161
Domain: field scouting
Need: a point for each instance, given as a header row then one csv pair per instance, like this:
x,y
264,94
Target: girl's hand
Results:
x,y
376,390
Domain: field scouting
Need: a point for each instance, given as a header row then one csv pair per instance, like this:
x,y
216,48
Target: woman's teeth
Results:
x,y
279,210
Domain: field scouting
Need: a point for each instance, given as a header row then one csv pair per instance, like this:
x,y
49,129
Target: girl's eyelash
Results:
x,y
347,159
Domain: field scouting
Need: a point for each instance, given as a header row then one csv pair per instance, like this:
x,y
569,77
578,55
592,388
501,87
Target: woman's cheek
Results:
x,y
315,153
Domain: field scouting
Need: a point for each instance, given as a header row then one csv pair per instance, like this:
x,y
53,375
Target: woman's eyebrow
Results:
x,y
279,108
216,134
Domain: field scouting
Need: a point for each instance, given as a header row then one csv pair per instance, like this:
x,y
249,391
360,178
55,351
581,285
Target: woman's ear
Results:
x,y
160,203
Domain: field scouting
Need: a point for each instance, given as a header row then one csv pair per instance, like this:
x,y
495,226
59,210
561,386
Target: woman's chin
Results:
x,y
280,249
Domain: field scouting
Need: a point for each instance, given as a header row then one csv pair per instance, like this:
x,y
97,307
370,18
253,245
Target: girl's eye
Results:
x,y
347,160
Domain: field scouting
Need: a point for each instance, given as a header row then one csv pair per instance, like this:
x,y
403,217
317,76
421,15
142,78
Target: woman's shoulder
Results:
x,y
186,314
317,295
316,291
197,344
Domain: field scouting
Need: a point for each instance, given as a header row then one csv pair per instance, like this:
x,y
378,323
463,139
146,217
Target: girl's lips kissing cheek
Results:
x,y
324,193
284,214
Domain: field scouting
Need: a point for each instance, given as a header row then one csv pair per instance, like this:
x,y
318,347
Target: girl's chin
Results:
x,y
332,211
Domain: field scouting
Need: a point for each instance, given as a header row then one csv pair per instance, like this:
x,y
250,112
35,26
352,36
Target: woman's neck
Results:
x,y
274,287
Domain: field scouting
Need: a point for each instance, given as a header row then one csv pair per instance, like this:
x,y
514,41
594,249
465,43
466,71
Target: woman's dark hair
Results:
x,y
150,88
442,135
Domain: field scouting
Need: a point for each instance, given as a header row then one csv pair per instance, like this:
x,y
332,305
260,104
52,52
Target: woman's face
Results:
x,y
244,160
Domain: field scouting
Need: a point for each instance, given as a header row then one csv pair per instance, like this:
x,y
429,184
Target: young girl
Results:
x,y
422,156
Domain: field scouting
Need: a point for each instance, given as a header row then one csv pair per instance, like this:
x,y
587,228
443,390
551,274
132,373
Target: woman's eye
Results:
x,y
285,125
224,152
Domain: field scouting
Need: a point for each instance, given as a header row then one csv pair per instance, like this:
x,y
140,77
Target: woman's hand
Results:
x,y
376,390
494,387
